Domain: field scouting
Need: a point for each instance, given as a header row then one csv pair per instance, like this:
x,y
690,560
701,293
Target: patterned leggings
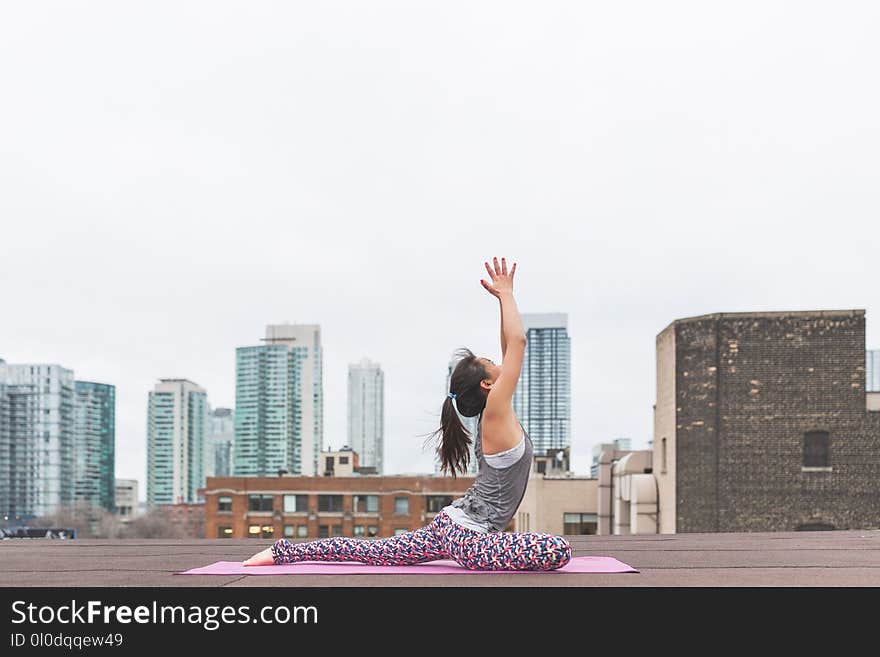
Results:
x,y
441,539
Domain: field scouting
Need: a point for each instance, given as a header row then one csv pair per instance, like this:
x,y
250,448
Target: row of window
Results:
x,y
817,450
302,531
332,503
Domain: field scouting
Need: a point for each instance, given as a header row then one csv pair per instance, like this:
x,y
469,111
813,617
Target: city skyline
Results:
x,y
160,207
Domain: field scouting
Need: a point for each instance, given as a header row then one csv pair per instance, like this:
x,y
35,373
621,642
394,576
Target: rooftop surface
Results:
x,y
832,558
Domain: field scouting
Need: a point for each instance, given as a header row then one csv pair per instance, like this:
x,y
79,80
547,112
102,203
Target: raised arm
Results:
x,y
512,334
503,339
502,288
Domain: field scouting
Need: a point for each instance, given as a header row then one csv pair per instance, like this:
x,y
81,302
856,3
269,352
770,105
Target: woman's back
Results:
x,y
499,486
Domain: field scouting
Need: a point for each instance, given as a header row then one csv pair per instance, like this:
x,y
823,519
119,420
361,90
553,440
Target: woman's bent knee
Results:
x,y
561,553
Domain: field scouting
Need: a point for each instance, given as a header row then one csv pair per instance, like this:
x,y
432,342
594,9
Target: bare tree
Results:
x,y
95,522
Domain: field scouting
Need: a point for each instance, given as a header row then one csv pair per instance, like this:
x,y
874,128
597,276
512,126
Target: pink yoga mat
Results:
x,y
440,567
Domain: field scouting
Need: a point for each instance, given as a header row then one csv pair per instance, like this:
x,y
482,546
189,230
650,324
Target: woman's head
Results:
x,y
472,379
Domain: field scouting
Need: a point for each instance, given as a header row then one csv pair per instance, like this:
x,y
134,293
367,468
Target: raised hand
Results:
x,y
502,282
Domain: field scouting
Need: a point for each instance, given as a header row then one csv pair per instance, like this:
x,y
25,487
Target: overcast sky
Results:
x,y
176,175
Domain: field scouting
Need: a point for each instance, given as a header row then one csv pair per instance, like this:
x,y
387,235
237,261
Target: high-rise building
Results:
x,y
177,414
617,445
5,442
36,439
94,444
279,403
872,371
221,438
542,400
366,411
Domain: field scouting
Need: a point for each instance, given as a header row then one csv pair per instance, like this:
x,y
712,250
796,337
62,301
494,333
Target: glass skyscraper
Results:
x,y
543,393
95,438
36,439
279,403
366,410
872,371
177,416
5,443
221,438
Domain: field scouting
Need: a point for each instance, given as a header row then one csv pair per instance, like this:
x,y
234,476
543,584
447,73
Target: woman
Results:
x,y
471,529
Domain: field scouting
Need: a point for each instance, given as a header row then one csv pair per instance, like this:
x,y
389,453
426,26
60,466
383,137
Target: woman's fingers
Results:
x,y
500,270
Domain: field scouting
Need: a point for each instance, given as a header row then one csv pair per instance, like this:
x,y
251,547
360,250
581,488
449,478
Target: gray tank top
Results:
x,y
500,484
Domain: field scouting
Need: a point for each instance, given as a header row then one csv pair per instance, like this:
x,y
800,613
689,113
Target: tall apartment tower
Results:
x,y
94,448
366,412
542,400
36,439
279,403
177,415
221,438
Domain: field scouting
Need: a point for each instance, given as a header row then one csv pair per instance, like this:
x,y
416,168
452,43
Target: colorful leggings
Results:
x,y
443,538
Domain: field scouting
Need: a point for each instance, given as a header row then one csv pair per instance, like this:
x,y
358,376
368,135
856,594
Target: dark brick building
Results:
x,y
762,424
297,507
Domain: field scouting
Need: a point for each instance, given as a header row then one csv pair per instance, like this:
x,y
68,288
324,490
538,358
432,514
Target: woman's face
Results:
x,y
492,371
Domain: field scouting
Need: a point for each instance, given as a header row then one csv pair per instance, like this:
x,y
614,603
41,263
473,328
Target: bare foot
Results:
x,y
263,558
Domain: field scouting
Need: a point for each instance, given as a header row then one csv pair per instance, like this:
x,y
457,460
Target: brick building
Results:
x,y
188,519
762,423
298,507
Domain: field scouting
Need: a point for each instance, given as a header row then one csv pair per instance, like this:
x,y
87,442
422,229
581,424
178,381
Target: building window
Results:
x,y
358,531
366,504
400,530
814,527
268,531
323,531
576,524
817,449
435,503
224,504
372,530
302,531
259,502
253,531
288,531
335,530
330,503
296,503
401,506
343,460
663,456
224,532
328,465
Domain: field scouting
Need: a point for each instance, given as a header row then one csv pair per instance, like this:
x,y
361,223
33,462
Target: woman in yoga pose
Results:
x,y
471,529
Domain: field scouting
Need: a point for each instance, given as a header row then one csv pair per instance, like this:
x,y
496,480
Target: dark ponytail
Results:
x,y
455,439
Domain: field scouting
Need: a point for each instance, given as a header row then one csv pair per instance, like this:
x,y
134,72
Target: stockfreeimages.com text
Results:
x,y
210,617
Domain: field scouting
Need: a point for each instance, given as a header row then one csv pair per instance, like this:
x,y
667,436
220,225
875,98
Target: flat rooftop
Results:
x,y
832,558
